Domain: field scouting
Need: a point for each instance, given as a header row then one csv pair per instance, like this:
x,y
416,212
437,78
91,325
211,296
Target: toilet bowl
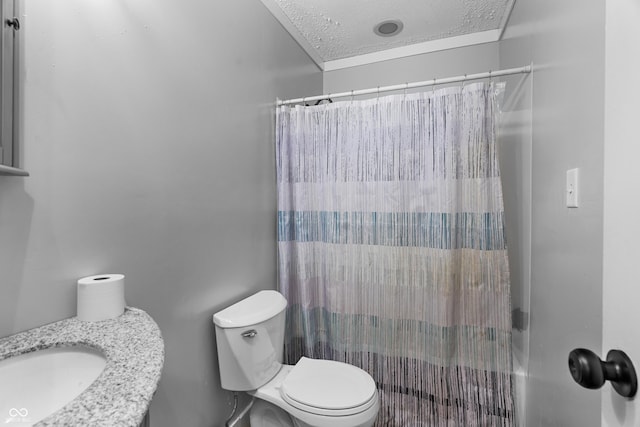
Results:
x,y
318,393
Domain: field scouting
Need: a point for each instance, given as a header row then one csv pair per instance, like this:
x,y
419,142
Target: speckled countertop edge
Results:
x,y
120,396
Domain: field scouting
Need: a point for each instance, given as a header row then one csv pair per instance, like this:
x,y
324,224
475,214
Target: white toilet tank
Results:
x,y
250,340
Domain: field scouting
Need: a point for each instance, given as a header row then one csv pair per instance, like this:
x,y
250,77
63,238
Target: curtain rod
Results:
x,y
489,74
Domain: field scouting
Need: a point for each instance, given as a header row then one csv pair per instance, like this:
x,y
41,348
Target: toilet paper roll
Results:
x,y
100,297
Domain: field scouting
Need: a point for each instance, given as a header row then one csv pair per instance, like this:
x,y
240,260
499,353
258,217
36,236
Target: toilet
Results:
x,y
311,393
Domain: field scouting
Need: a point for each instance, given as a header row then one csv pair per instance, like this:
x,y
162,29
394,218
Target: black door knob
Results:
x,y
589,371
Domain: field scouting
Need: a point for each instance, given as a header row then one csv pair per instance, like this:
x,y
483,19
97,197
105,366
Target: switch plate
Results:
x,y
572,188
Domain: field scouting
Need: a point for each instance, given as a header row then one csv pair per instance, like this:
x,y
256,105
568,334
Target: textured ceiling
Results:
x,y
338,29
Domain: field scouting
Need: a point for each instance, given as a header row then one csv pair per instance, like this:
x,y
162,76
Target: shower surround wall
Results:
x,y
148,132
514,143
515,158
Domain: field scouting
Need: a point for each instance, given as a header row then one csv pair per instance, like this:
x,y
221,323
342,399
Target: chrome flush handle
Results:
x,y
251,333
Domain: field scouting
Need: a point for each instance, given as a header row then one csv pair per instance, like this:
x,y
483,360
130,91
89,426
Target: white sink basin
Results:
x,y
36,384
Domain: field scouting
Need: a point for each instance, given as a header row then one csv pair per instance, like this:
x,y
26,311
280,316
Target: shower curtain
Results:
x,y
392,253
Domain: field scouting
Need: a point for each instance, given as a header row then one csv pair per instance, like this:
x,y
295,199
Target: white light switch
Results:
x,y
572,188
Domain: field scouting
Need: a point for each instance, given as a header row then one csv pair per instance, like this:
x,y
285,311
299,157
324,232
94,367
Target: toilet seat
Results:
x,y
330,388
272,393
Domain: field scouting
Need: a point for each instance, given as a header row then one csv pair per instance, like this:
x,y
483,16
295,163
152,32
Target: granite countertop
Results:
x,y
120,396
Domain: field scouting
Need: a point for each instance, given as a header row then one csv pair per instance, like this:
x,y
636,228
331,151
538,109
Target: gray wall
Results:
x,y
565,41
147,129
446,63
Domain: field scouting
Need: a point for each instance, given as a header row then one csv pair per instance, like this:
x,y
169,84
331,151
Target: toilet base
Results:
x,y
264,414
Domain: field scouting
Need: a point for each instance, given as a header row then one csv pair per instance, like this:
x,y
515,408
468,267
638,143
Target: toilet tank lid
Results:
x,y
252,310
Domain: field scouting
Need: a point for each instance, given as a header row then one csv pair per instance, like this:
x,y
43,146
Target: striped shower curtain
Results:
x,y
392,252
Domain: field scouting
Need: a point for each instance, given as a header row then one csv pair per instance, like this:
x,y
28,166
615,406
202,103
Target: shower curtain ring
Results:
x,y
433,87
464,81
378,93
490,77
